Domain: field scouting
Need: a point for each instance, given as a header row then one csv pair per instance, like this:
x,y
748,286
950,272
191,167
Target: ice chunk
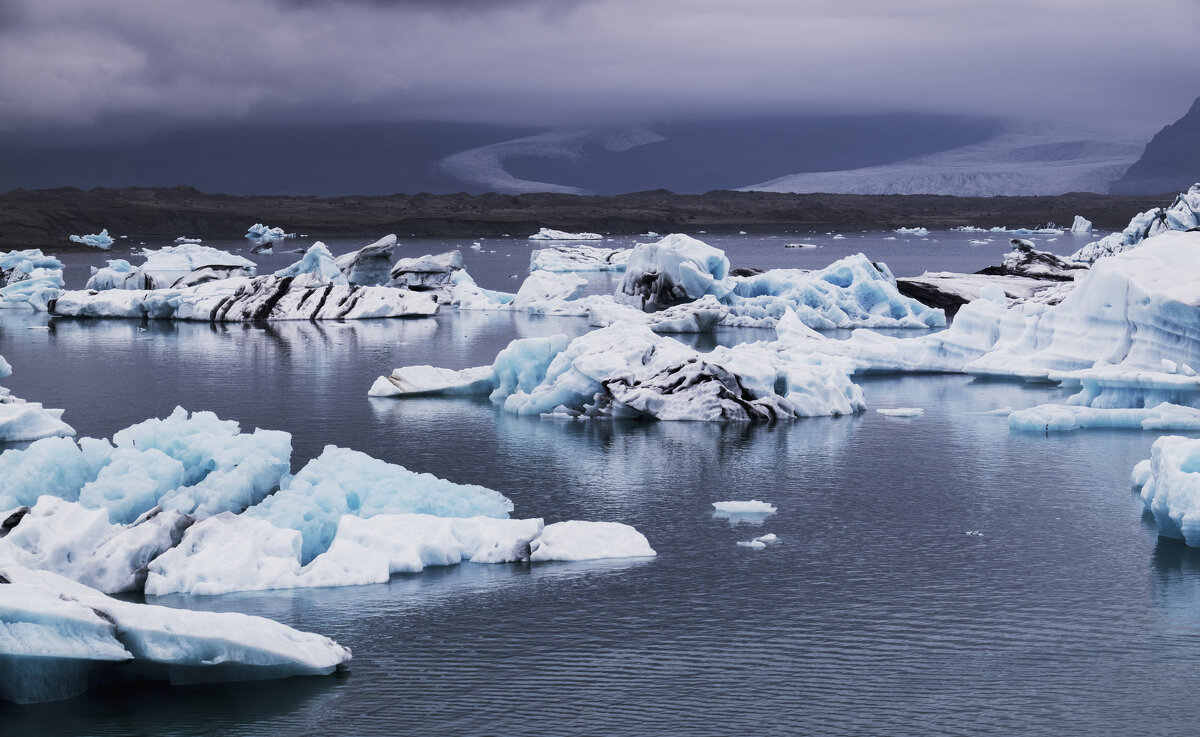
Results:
x,y
101,240
58,638
542,287
81,544
674,270
428,273
918,231
755,544
752,507
1170,487
548,234
1081,225
1064,417
577,540
119,274
343,481
317,268
416,381
22,421
579,258
851,292
166,267
770,537
701,316
902,412
370,265
29,280
261,232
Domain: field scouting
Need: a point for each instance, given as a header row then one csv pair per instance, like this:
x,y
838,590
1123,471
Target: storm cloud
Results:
x,y
1102,63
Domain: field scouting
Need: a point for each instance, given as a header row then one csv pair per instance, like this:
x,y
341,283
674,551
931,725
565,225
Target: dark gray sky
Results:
x,y
1130,66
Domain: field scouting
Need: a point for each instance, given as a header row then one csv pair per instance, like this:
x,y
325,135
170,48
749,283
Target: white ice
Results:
x,y
902,412
1182,214
918,231
1081,225
579,258
1170,487
59,638
751,507
549,234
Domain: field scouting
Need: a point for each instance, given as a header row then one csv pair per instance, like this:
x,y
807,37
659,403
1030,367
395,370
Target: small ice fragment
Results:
x,y
752,544
973,533
902,412
750,507
770,537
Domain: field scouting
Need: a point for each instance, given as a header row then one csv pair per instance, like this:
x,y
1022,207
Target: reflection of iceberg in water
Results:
x,y
1175,582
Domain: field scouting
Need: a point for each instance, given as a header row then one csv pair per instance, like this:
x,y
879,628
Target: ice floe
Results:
x,y
549,234
751,507
101,240
58,638
901,412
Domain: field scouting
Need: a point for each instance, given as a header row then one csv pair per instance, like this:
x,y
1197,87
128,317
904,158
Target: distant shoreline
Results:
x,y
45,218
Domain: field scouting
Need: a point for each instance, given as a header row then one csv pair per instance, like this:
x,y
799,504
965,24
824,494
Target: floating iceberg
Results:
x,y
1066,417
548,234
1170,487
578,540
29,279
316,269
1081,225
185,239
579,258
369,266
672,271
701,316
22,421
851,292
752,507
901,412
261,232
197,465
912,231
59,638
1182,214
119,274
626,370
168,265
101,240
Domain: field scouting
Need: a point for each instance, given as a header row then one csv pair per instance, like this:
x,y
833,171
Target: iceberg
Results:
x,y
316,269
672,271
435,272
261,232
579,258
701,316
22,421
72,540
166,266
119,274
851,292
185,239
752,507
59,638
901,412
1182,214
195,464
578,540
1170,487
1081,225
101,240
548,234
29,279
918,231
369,266
1066,417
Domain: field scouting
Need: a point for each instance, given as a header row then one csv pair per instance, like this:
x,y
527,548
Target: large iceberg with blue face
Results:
x,y
58,638
1182,214
101,240
672,271
29,279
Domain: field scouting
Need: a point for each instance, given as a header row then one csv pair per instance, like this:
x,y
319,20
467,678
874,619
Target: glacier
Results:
x,y
101,240
1182,214
58,638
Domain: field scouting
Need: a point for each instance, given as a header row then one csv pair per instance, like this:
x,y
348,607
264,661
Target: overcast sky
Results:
x,y
1129,65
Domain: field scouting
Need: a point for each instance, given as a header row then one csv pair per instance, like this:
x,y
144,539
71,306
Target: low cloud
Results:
x,y
76,63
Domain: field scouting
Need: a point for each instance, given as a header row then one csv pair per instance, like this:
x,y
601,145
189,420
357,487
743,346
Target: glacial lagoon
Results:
x,y
933,575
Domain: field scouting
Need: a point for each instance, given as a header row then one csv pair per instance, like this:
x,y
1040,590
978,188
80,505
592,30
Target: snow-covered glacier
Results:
x,y
59,638
1182,214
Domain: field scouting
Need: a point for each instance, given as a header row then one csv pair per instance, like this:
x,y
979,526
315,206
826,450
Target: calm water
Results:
x,y
875,614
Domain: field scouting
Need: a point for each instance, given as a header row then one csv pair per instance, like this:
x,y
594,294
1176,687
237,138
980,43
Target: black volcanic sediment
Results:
x,y
42,218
